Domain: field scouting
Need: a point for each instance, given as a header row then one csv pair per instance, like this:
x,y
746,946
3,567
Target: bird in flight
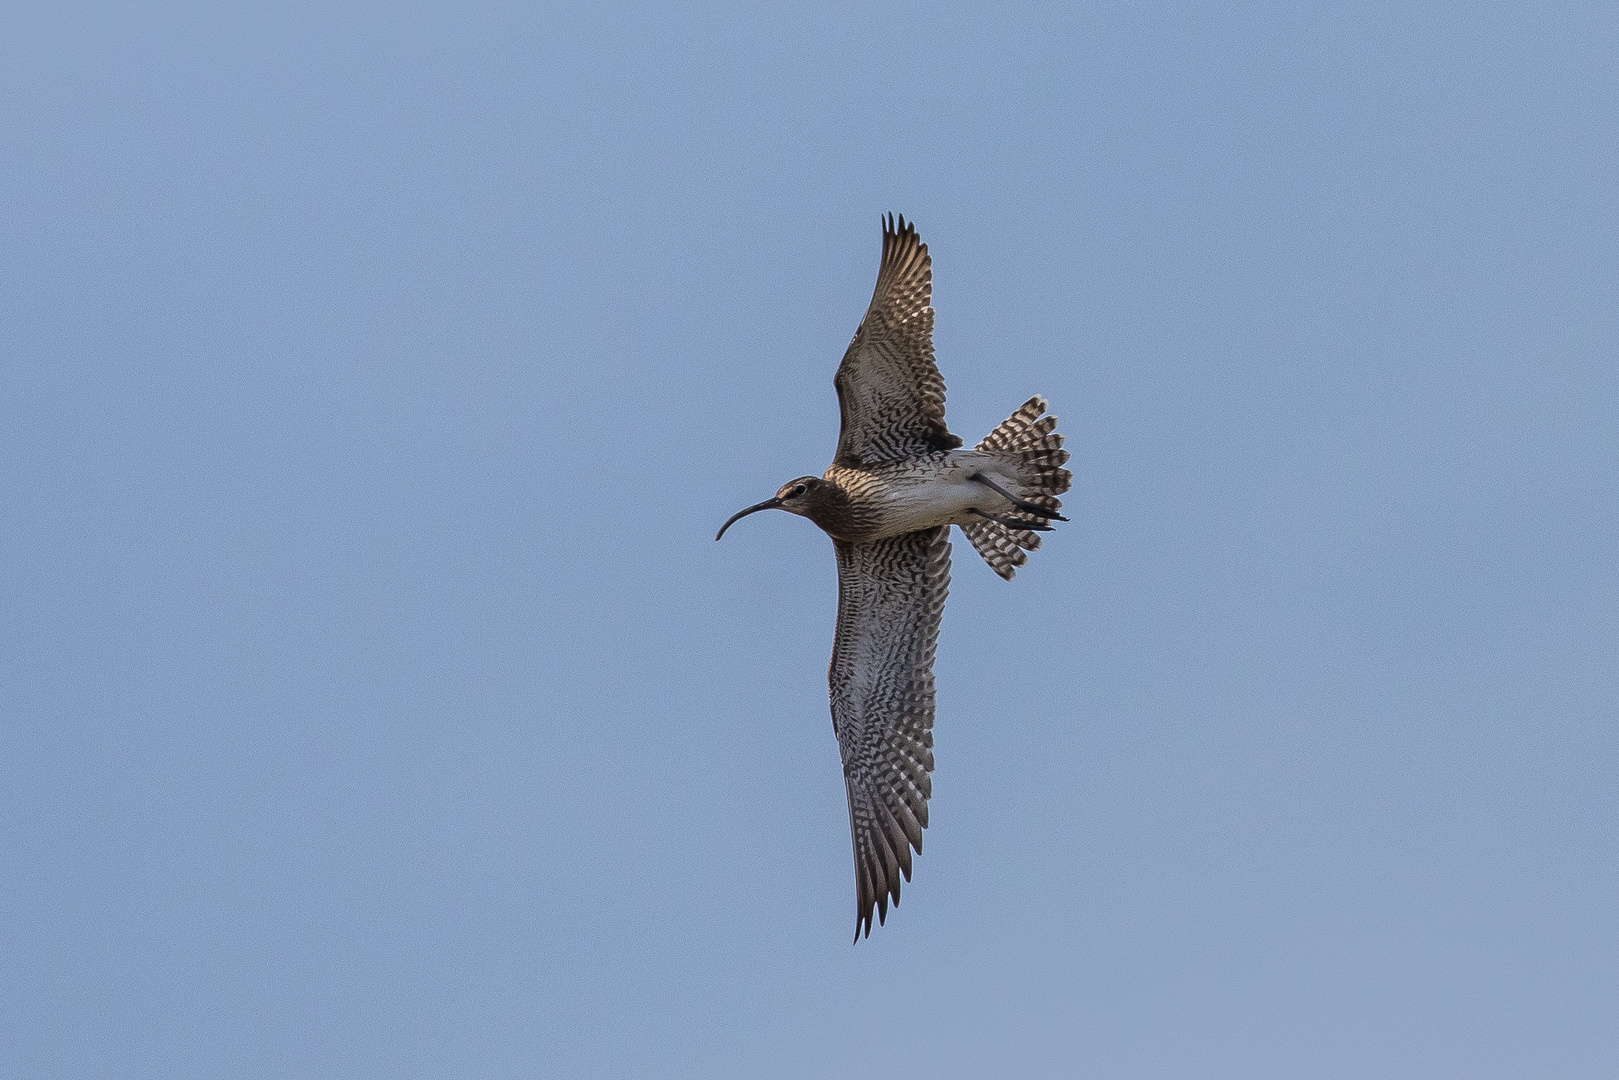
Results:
x,y
897,483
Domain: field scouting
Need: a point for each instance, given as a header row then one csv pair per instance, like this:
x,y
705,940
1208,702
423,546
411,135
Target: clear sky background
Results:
x,y
376,702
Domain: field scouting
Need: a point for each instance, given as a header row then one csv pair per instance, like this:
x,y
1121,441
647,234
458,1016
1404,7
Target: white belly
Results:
x,y
944,495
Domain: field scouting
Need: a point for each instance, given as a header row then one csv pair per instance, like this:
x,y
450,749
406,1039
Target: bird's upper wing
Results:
x,y
890,598
890,391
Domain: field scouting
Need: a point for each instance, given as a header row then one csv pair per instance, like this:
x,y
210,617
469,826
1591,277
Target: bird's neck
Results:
x,y
839,515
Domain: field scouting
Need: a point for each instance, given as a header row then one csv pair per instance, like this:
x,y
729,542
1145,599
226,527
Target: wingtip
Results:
x,y
896,226
902,244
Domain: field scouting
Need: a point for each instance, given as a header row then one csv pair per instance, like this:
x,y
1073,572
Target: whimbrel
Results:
x,y
897,483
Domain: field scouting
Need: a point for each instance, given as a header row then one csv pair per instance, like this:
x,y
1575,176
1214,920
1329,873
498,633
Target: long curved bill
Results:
x,y
768,504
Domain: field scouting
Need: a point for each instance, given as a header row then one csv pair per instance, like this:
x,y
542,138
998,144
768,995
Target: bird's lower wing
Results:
x,y
891,595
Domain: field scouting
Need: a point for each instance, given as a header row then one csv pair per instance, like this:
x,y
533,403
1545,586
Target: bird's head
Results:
x,y
799,497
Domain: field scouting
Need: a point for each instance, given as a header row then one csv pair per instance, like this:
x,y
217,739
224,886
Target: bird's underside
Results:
x,y
897,483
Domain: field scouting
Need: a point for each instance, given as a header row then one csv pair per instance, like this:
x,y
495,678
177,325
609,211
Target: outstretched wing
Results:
x,y
890,597
889,389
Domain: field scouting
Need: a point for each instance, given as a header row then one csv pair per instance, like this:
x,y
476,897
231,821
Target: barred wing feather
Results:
x,y
890,392
891,595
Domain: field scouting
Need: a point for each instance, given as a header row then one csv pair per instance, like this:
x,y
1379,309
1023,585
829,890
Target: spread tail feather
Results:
x,y
1030,440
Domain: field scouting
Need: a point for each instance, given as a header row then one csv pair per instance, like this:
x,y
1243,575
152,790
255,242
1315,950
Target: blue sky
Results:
x,y
377,703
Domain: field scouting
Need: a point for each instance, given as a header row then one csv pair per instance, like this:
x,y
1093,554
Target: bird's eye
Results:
x,y
796,492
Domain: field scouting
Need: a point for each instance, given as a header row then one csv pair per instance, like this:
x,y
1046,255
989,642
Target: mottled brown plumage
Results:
x,y
890,392
896,484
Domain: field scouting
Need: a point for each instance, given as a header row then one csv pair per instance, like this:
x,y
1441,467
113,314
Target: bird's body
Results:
x,y
937,488
897,483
